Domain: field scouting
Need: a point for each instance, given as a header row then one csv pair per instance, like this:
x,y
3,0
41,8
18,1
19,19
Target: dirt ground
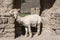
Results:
x,y
45,35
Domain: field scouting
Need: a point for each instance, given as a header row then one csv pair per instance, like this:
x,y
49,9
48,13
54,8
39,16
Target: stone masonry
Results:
x,y
7,26
51,18
5,5
6,20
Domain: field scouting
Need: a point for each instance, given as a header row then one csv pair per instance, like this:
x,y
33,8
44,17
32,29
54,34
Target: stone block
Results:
x,y
1,31
9,26
57,22
56,26
2,26
5,20
1,22
57,31
46,25
9,34
11,20
35,10
57,14
52,21
57,18
32,11
9,30
1,36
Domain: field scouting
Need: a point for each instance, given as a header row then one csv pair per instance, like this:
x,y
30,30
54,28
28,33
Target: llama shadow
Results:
x,y
20,30
34,29
17,29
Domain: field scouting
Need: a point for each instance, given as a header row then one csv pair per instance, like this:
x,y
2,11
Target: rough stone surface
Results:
x,y
51,17
11,20
6,27
35,11
5,5
26,7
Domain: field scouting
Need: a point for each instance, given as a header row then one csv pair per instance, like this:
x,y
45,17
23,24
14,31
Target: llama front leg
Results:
x,y
30,33
38,30
26,34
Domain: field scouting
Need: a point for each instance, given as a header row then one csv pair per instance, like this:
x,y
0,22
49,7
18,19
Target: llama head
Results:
x,y
14,12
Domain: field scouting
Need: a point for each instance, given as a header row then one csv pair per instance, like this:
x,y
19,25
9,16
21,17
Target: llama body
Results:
x,y
30,20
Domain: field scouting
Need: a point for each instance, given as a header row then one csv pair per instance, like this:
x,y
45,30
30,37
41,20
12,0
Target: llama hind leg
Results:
x,y
26,34
38,30
30,33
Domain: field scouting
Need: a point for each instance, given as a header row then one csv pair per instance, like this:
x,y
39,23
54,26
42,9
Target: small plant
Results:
x,y
24,14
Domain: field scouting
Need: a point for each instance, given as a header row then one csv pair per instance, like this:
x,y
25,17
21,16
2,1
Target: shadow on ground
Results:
x,y
20,30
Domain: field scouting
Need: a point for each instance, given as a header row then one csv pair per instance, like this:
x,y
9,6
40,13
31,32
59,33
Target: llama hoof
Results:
x,y
25,35
30,36
36,35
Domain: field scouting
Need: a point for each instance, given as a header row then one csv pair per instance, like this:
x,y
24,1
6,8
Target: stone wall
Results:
x,y
51,17
26,7
5,5
7,25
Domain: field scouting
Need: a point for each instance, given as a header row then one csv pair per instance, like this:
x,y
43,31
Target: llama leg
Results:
x,y
30,33
38,30
26,34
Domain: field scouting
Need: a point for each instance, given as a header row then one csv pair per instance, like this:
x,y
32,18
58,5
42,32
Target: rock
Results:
x,y
5,20
57,31
51,17
9,26
9,30
11,20
6,5
2,26
9,34
1,21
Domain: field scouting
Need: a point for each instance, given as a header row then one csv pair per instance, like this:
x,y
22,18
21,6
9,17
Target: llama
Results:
x,y
28,21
